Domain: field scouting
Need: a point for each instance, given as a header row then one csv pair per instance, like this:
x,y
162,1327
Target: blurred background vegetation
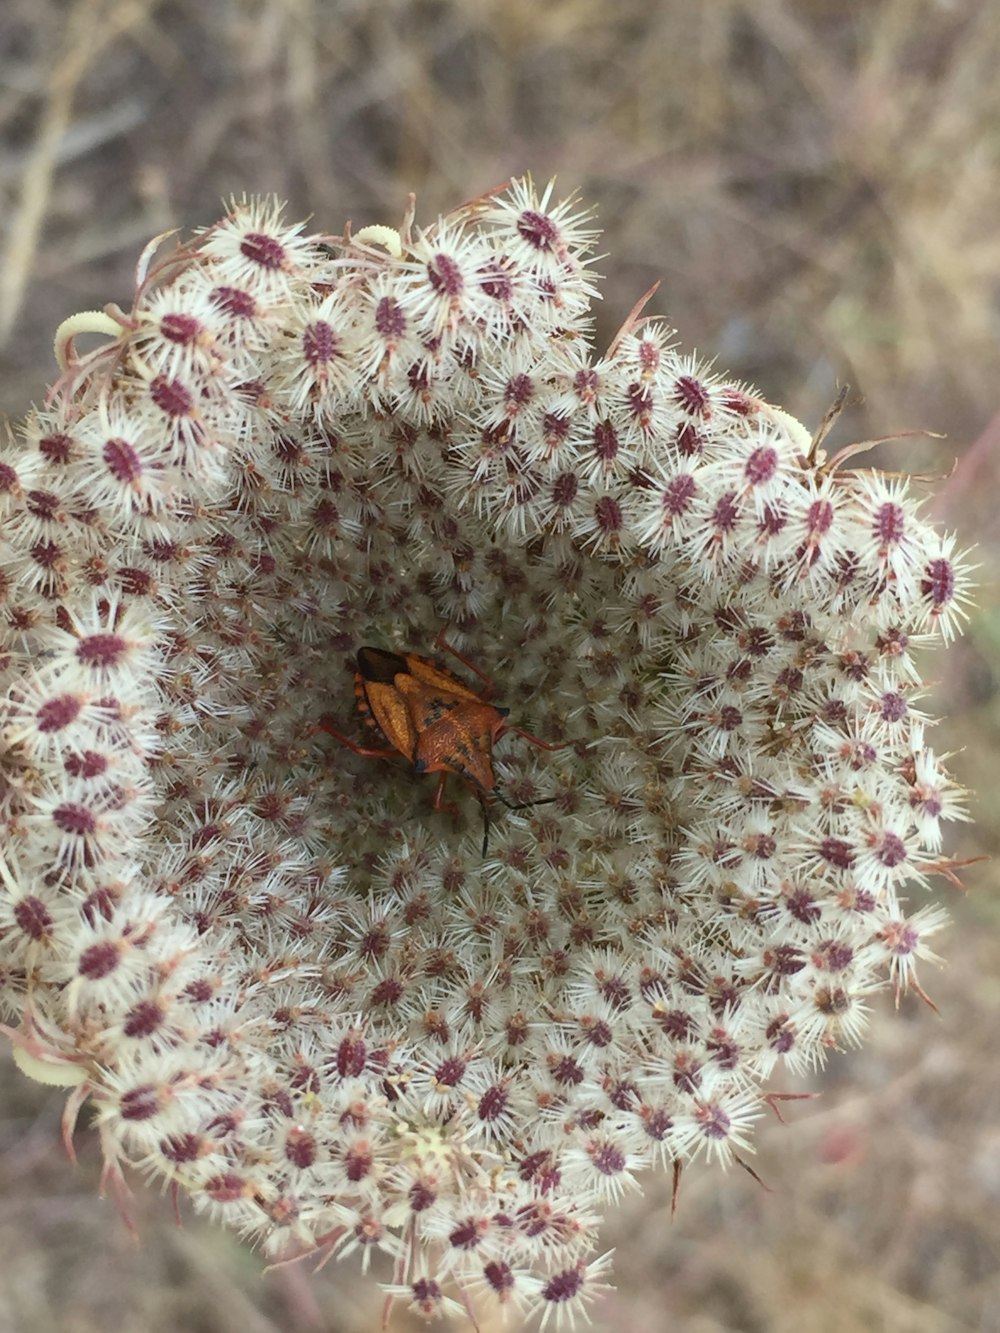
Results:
x,y
817,185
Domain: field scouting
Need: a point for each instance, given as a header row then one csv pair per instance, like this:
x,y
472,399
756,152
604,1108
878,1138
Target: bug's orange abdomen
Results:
x,y
380,701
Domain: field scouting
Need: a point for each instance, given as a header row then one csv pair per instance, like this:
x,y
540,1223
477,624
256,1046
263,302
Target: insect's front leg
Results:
x,y
439,803
537,740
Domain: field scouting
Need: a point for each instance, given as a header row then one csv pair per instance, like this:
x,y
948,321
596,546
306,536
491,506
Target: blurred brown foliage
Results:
x,y
817,186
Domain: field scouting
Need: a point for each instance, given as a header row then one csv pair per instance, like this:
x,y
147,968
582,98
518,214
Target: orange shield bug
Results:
x,y
422,711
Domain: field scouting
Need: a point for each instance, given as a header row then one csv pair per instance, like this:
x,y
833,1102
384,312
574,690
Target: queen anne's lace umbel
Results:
x,y
285,983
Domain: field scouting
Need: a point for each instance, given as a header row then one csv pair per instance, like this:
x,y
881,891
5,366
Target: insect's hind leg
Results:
x,y
366,752
490,690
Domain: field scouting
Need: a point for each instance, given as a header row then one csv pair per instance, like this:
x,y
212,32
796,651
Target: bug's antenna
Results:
x,y
521,805
525,805
486,823
511,805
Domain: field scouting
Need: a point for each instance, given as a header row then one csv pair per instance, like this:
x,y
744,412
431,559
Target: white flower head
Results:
x,y
445,769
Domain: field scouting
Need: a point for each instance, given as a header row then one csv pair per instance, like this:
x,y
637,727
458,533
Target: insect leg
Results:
x,y
535,740
439,803
364,751
441,642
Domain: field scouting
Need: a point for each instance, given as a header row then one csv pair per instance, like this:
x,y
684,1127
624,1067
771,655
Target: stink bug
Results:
x,y
422,711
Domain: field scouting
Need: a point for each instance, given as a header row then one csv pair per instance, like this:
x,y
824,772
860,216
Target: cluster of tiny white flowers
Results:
x,y
286,983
